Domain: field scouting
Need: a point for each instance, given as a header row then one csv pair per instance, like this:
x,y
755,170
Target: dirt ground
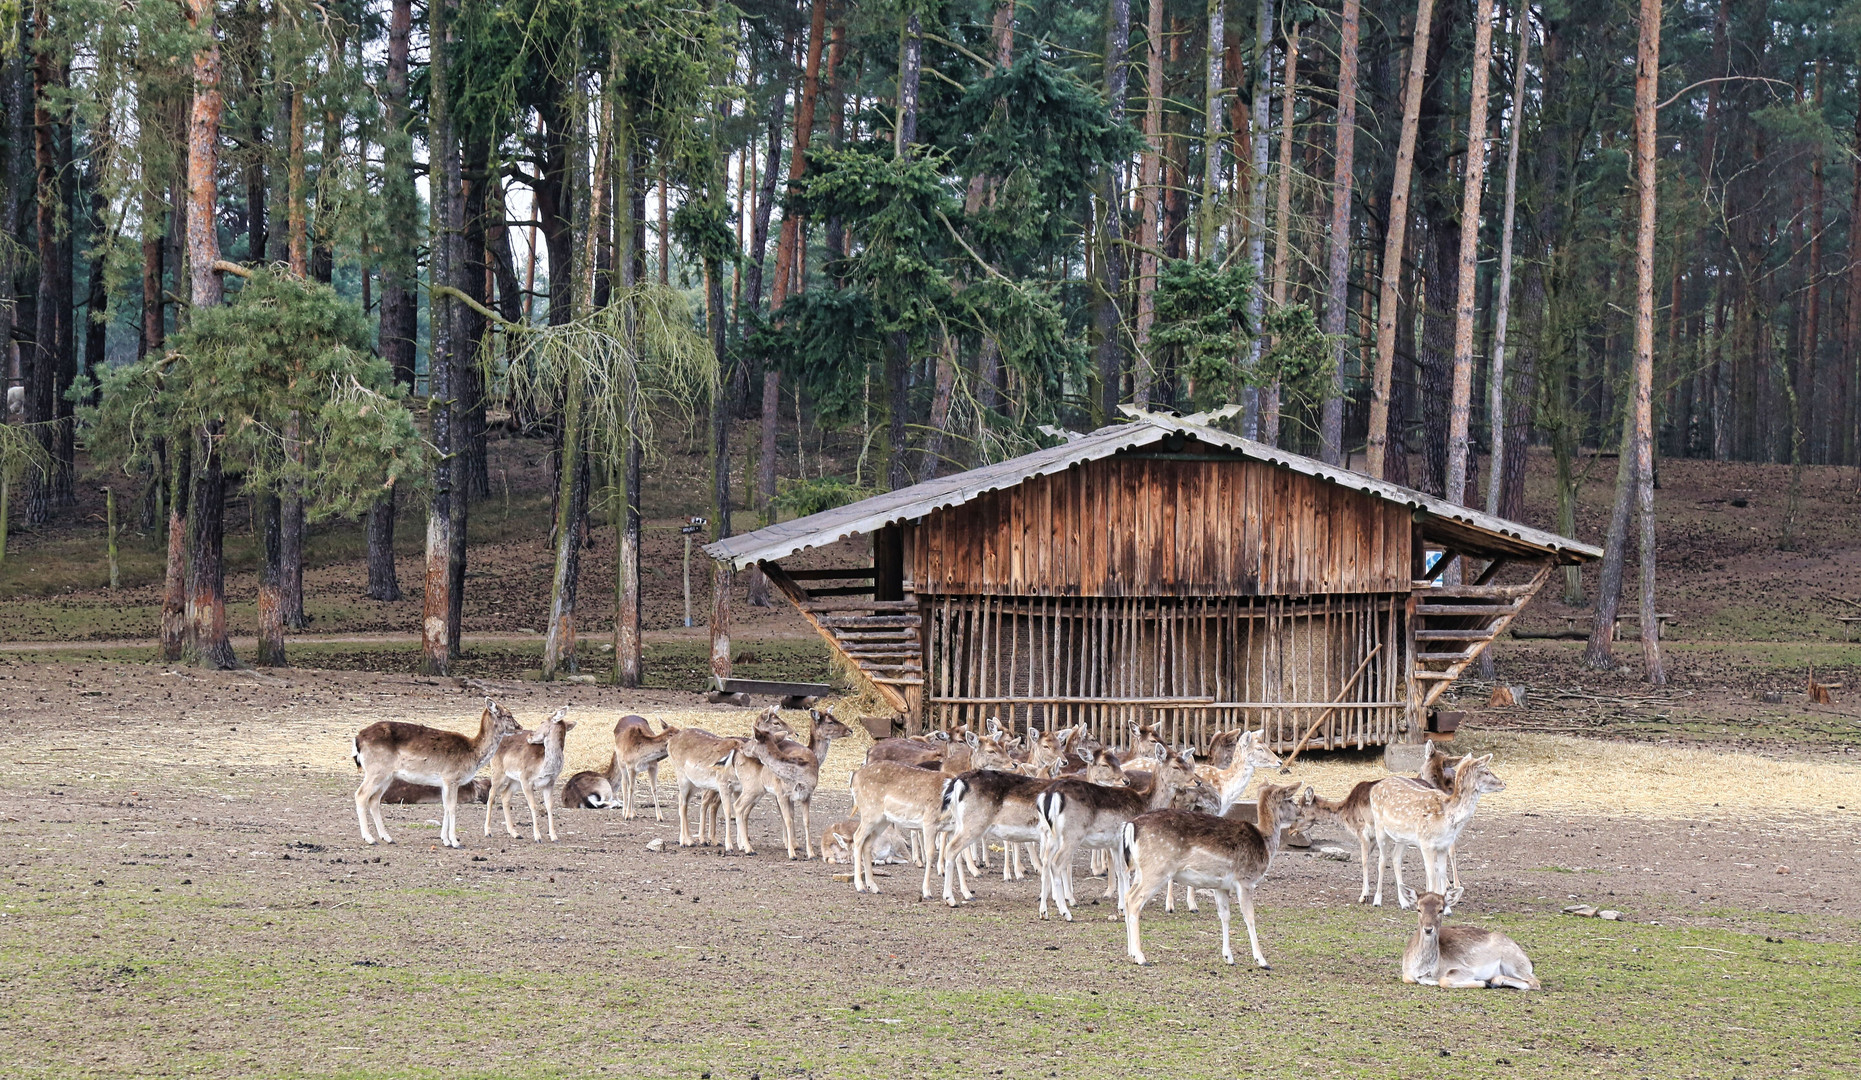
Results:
x,y
186,893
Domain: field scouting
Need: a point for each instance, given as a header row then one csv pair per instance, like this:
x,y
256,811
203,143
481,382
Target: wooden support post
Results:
x,y
109,510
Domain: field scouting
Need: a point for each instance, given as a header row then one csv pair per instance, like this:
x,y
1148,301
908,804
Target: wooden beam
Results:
x,y
796,595
862,574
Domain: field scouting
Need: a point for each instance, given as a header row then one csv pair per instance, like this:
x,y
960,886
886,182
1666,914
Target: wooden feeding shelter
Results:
x,y
1161,569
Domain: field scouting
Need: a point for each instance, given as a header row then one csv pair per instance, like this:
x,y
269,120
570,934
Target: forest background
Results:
x,y
318,251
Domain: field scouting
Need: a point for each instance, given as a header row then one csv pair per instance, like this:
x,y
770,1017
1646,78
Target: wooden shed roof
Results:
x,y
1459,527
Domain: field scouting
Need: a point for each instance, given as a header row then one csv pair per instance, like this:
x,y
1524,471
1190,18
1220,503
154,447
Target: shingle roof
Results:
x,y
1461,523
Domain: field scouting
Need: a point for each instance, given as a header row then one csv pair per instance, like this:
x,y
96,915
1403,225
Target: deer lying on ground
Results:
x,y
1353,810
393,750
890,793
1206,852
1403,811
704,765
636,750
1075,814
791,770
402,793
1460,957
530,765
889,848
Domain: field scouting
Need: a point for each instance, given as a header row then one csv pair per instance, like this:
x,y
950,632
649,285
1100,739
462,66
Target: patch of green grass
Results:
x,y
390,986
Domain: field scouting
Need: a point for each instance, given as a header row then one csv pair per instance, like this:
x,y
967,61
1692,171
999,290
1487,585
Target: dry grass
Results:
x,y
1560,774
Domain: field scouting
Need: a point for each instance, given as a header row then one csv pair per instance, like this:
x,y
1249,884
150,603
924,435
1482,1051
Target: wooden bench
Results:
x,y
794,695
1849,623
1661,622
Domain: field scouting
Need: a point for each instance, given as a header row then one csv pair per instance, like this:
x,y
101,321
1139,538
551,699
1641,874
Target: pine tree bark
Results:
x,y
1647,79
1496,406
41,378
723,577
1474,176
1251,410
1810,402
1337,268
270,591
898,359
399,307
1282,230
627,637
1394,239
207,590
1108,319
436,629
1211,131
1150,196
1598,653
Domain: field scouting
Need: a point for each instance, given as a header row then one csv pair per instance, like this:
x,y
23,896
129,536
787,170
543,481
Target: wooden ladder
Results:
x,y
1454,624
878,637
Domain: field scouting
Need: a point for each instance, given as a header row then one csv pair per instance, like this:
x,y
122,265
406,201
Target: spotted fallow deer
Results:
x,y
987,804
704,765
1353,810
887,792
530,765
1460,957
636,750
402,793
890,847
1077,814
792,771
394,750
1403,811
1224,856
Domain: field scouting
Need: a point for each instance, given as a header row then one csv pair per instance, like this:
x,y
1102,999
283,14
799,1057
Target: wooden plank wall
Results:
x,y
1137,525
1199,665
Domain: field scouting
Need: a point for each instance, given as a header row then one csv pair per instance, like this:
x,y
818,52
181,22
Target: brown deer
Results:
x,y
636,750
989,804
890,793
1230,782
1460,957
1224,856
890,846
1353,810
793,770
393,750
402,793
1077,814
705,765
1403,811
530,765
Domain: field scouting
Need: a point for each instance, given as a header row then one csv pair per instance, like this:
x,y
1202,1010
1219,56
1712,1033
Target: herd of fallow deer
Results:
x,y
1149,815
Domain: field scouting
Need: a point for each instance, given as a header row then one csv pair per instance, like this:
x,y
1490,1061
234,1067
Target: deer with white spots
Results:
x,y
394,750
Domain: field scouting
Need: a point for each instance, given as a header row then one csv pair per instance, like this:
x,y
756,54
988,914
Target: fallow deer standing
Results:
x,y
636,750
1353,810
794,771
1224,856
1077,814
1460,957
1405,812
989,804
887,792
530,765
394,750
704,765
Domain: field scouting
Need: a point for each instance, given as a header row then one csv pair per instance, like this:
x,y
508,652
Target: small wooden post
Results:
x,y
109,513
688,579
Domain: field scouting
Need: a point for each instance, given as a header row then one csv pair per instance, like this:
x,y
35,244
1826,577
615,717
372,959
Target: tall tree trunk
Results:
x,y
1439,288
1597,654
207,592
1647,79
399,307
297,213
1394,240
173,635
97,300
1251,411
1111,253
1150,195
436,631
270,591
1851,340
1496,407
722,575
1282,231
1211,132
627,638
1474,176
15,114
1811,404
1337,297
42,377
898,365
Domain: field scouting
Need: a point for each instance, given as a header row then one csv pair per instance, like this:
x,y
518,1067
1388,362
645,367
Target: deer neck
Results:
x,y
1272,828
1423,956
487,742
552,750
1162,790
819,743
